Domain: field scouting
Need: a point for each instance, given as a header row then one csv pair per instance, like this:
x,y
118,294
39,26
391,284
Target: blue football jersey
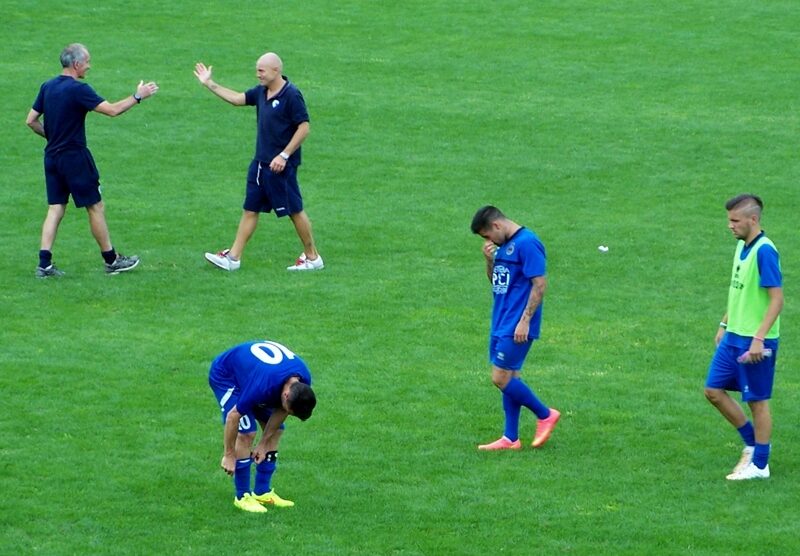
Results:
x,y
259,370
516,263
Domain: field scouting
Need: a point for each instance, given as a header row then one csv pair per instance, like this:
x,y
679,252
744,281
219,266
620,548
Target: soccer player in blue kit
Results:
x,y
262,382
69,167
282,126
747,337
515,265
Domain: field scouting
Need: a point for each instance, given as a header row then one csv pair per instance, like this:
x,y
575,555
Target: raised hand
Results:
x,y
144,90
202,72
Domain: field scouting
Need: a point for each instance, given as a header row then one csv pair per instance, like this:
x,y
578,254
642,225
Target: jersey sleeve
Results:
x,y
769,267
298,111
38,104
533,259
251,95
88,98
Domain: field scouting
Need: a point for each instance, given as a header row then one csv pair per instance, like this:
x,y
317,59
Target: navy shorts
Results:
x,y
506,354
268,191
227,393
72,172
753,380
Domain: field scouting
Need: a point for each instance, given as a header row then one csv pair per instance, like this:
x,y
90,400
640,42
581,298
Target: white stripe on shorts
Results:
x,y
225,398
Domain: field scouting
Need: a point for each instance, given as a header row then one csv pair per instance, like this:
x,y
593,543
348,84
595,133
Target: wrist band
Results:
x,y
137,98
723,324
758,338
284,156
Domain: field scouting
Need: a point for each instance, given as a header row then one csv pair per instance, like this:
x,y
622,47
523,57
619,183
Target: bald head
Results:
x,y
272,61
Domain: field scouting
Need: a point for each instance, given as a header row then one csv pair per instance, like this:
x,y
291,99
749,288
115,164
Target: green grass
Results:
x,y
619,123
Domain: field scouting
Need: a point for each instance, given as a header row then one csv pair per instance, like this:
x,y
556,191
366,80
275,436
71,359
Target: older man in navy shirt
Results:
x,y
68,165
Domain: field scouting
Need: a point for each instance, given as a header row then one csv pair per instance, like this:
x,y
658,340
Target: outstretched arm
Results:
x,y
203,75
143,90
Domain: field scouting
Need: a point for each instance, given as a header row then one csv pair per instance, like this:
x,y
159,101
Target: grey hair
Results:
x,y
72,53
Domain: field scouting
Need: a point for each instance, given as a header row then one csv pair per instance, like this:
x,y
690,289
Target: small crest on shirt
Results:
x,y
510,249
275,103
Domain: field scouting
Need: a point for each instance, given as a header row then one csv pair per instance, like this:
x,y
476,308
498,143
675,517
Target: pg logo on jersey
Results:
x,y
501,277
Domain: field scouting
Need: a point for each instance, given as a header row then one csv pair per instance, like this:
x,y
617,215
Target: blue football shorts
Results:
x,y
753,380
72,172
267,191
227,393
506,354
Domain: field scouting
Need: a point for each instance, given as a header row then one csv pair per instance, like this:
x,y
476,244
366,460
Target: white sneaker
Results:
x,y
223,260
304,263
749,472
744,460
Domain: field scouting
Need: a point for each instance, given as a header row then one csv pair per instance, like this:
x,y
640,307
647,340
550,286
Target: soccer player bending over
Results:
x,y
260,382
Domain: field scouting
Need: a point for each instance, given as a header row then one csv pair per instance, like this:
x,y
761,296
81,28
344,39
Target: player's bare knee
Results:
x,y
713,395
245,439
500,378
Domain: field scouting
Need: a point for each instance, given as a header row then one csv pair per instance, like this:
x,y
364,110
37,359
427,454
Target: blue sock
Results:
x,y
511,410
264,471
748,434
761,455
521,394
45,258
241,476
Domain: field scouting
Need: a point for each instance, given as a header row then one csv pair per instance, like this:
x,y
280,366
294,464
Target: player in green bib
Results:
x,y
747,338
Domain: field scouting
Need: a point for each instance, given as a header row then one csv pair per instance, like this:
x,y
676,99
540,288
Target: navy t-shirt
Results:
x,y
516,263
259,370
64,102
278,119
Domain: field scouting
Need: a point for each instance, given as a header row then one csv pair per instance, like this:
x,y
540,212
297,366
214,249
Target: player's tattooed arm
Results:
x,y
536,296
534,300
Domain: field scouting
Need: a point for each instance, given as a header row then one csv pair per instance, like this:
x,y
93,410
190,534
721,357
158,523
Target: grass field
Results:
x,y
620,123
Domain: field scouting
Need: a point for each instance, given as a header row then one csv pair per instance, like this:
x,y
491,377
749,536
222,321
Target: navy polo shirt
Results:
x,y
278,119
65,101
